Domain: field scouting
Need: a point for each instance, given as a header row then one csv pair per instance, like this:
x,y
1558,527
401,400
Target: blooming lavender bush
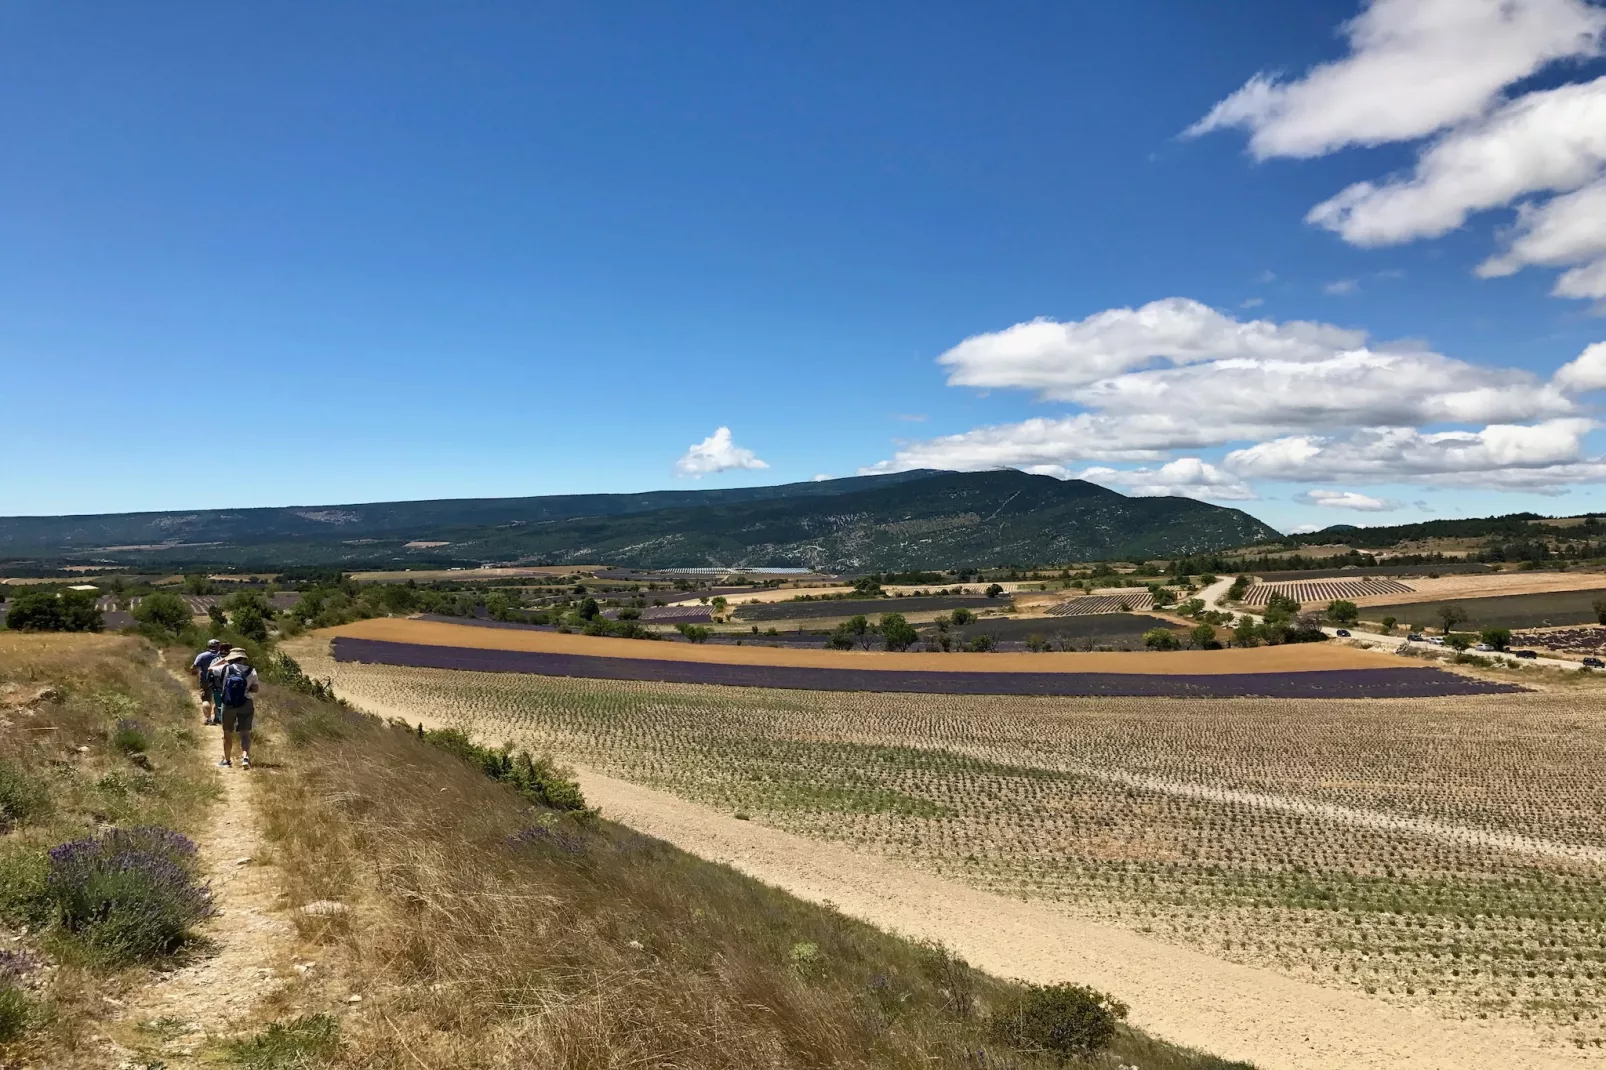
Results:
x,y
128,893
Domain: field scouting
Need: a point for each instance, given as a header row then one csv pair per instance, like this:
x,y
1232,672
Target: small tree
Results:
x,y
981,644
896,632
1203,637
858,627
589,609
1246,632
694,633
249,621
214,613
1499,638
1458,641
1161,639
1341,611
167,612
1451,615
994,590
719,603
1161,596
1389,625
962,616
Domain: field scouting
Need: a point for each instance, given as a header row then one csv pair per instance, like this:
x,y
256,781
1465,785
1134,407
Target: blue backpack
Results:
x,y
236,685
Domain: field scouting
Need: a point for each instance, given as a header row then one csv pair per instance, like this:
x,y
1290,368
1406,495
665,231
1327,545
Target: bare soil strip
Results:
x,y
1298,658
1238,1012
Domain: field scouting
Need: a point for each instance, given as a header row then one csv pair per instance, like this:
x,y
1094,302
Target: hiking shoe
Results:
x,y
245,762
225,763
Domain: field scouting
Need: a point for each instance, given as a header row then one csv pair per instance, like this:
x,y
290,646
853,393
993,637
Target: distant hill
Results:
x,y
908,520
1510,527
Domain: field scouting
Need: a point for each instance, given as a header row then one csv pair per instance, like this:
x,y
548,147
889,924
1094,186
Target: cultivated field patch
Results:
x,y
1301,657
1494,584
870,607
1138,598
1541,610
1338,683
1323,591
1443,854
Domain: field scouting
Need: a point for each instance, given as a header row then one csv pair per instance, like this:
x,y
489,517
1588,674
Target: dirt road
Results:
x,y
1185,996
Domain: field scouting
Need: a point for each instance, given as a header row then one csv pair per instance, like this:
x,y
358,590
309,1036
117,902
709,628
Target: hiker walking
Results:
x,y
239,683
203,661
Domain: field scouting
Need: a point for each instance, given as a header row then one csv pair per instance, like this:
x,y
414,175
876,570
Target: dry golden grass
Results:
x,y
1293,658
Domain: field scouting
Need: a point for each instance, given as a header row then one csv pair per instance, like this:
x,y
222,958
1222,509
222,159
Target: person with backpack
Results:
x,y
203,662
239,682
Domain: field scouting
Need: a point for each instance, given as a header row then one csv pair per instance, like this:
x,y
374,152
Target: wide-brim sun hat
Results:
x,y
237,654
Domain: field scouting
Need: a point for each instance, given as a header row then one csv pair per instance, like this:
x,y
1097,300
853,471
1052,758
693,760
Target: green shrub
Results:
x,y
537,779
22,796
129,737
1065,1021
22,885
163,612
1161,639
307,1041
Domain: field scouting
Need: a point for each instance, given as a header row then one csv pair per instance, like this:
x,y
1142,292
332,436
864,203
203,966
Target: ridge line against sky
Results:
x,y
1349,262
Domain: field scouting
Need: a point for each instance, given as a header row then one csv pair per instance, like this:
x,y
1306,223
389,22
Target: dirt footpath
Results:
x,y
1237,1012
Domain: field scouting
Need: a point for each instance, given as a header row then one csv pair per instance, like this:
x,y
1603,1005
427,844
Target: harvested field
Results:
x,y
676,614
1323,591
1444,855
1302,657
870,607
1336,683
1492,584
1507,611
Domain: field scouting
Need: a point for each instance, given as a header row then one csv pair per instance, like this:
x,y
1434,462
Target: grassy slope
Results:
x,y
481,942
61,698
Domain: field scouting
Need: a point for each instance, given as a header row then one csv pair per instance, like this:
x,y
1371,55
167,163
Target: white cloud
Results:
x,y
1341,287
1252,302
716,453
1347,499
1055,358
1305,529
1587,372
1570,229
1296,392
822,478
1417,67
1501,456
1185,477
1549,140
1414,67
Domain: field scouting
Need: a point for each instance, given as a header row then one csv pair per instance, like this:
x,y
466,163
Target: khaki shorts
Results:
x,y
238,718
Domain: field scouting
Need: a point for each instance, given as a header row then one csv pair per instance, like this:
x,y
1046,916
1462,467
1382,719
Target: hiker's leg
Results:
x,y
228,733
244,717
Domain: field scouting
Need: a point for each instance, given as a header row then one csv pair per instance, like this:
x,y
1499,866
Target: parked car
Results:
x,y
1483,648
1414,637
1525,654
1342,633
1436,640
1594,663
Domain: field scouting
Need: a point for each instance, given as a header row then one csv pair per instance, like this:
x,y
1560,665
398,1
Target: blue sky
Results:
x,y
363,252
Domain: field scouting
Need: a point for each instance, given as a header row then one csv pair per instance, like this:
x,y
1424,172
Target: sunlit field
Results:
x,y
1439,852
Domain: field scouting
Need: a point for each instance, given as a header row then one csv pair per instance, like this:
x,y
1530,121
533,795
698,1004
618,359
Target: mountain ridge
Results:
x,y
923,518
